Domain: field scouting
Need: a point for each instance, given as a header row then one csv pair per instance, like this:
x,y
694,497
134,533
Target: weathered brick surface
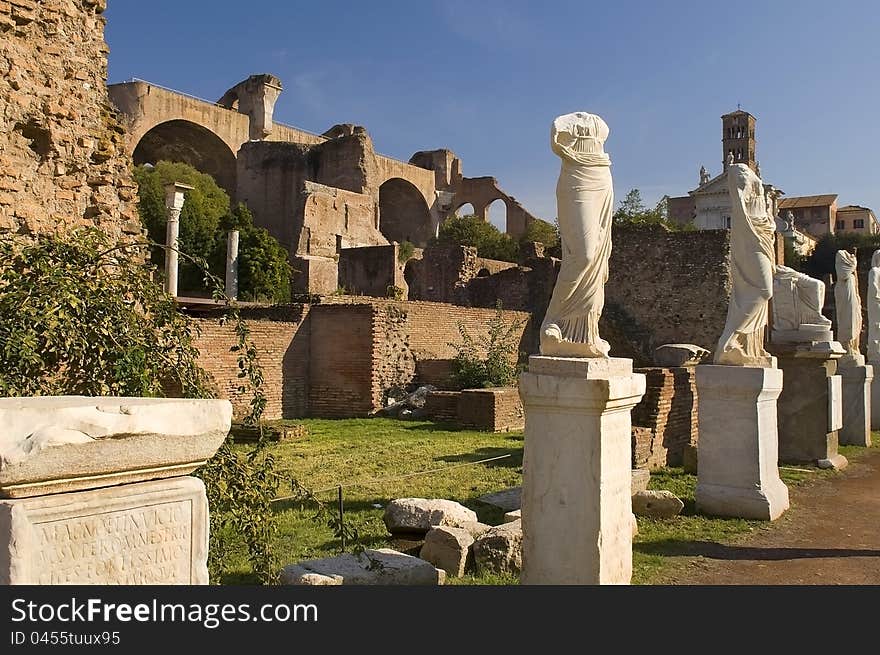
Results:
x,y
62,159
665,420
497,410
339,359
442,405
283,342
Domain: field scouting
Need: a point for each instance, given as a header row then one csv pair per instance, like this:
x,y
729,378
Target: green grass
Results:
x,y
361,455
375,459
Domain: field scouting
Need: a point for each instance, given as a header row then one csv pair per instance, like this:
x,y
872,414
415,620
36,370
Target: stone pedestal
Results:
x,y
875,400
809,409
738,474
576,499
856,429
142,533
96,491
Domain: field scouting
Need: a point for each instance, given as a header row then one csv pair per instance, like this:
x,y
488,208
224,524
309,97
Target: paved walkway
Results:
x,y
830,535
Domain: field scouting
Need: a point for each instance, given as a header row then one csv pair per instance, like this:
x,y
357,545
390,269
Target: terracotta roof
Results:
x,y
854,208
795,202
737,112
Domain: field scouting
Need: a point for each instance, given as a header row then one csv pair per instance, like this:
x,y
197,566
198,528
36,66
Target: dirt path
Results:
x,y
831,535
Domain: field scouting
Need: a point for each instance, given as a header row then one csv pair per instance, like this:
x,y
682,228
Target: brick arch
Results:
x,y
187,142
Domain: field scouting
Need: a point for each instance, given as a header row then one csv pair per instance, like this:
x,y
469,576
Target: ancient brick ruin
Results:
x,y
63,161
319,195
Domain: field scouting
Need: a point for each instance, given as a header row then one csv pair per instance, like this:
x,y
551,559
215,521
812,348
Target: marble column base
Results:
x,y
576,498
738,473
856,429
875,400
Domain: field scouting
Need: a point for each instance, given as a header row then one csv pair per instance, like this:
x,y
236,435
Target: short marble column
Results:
x,y
738,473
232,264
576,498
174,197
856,429
809,408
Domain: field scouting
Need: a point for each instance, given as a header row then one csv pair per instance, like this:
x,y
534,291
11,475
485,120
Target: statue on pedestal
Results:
x,y
752,267
704,175
797,308
585,204
848,304
873,301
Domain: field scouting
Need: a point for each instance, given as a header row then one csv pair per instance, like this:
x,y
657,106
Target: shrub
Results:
x,y
471,230
489,361
80,315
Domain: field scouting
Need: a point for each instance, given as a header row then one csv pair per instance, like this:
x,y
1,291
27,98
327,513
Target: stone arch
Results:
x,y
187,142
496,213
465,209
403,213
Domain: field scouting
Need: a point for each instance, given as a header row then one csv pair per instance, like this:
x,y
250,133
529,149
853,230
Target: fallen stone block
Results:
x,y
515,515
656,504
422,514
506,500
673,355
448,548
640,479
499,550
381,566
475,528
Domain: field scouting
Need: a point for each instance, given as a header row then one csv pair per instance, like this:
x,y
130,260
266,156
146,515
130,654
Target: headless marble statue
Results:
x,y
797,308
751,272
873,301
585,203
848,305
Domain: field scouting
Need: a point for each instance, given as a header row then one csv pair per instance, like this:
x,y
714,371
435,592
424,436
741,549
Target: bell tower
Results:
x,y
738,138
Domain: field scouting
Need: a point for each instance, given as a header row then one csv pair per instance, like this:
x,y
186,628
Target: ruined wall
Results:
x,y
671,286
282,336
668,415
370,271
496,410
341,372
340,359
62,158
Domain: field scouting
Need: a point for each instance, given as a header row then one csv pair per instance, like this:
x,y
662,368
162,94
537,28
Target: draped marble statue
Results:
x,y
848,305
873,301
585,203
797,308
751,272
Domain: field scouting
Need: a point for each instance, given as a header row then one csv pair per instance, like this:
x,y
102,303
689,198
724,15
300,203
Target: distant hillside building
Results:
x,y
855,218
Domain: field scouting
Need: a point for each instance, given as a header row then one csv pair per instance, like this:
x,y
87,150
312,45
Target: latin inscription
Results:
x,y
142,545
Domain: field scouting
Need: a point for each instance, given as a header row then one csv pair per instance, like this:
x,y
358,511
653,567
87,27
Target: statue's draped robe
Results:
x,y
873,301
751,271
585,204
847,302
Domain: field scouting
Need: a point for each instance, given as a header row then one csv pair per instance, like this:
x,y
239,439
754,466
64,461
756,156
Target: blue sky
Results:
x,y
486,78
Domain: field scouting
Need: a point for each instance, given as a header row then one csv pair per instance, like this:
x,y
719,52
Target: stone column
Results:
x,y
738,472
857,379
232,264
810,405
174,197
576,499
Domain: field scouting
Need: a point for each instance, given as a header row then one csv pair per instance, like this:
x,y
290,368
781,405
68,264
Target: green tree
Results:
x,y
821,261
263,263
542,232
471,230
632,211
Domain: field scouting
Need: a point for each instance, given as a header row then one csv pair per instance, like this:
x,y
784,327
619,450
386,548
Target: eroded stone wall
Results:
x,y
62,158
665,419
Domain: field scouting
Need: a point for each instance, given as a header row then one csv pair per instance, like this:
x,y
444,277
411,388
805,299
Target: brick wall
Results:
x,y
282,337
370,270
62,158
496,410
665,420
341,354
442,405
340,359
